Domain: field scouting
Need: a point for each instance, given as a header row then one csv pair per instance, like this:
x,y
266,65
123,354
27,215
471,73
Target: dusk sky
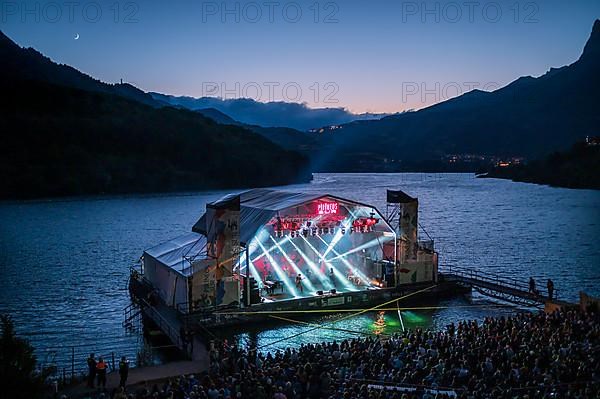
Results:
x,y
379,56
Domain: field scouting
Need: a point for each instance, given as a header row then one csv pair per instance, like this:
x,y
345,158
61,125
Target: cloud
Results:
x,y
271,114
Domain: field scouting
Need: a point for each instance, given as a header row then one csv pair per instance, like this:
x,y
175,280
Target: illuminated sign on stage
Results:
x,y
327,208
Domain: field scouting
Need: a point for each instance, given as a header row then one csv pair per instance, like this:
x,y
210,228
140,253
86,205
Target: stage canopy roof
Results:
x,y
177,252
258,206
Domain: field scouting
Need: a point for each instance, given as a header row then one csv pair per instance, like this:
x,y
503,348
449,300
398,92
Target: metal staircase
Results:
x,y
132,317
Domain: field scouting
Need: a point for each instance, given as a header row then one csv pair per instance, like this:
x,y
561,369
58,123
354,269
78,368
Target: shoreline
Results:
x,y
490,175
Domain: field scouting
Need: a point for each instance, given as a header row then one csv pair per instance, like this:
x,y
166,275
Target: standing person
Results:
x,y
550,286
299,282
331,276
123,371
532,285
101,369
91,362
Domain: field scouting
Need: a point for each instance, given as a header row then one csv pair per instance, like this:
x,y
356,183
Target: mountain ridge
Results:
x,y
66,133
36,66
28,63
529,117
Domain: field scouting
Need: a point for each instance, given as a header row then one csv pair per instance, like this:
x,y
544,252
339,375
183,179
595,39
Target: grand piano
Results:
x,y
271,285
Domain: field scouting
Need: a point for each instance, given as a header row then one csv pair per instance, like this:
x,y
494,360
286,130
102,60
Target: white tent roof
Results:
x,y
271,200
257,207
177,252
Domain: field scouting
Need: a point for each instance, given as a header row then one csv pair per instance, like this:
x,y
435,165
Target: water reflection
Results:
x,y
302,330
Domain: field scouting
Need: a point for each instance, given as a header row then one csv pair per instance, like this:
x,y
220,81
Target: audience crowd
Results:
x,y
525,356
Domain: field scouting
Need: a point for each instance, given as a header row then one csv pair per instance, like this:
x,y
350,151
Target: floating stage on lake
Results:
x,y
262,253
267,251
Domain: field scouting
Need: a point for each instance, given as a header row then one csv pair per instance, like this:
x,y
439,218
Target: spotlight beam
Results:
x,y
338,235
280,274
256,276
242,265
350,266
315,269
307,282
268,251
366,245
336,272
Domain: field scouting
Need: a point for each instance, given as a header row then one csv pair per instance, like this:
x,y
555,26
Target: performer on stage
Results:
x,y
332,276
299,282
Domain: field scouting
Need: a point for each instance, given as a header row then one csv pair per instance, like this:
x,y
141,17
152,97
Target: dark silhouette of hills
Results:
x,y
65,133
218,116
575,168
530,117
29,64
286,137
269,114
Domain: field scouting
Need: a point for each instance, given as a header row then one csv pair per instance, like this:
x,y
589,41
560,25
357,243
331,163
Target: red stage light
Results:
x,y
365,223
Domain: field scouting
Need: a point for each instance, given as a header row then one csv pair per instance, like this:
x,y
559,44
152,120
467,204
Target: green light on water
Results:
x,y
392,322
412,317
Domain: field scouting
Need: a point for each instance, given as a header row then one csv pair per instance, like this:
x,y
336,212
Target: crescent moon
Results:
x,y
76,36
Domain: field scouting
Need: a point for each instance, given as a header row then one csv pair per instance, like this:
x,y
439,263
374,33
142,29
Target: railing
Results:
x,y
136,272
404,387
185,308
131,314
162,323
197,315
69,364
478,275
142,290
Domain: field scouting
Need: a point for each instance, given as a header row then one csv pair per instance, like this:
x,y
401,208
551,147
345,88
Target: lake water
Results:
x,y
65,263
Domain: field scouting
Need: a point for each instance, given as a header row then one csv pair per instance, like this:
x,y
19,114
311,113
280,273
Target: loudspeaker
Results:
x,y
333,291
320,292
252,289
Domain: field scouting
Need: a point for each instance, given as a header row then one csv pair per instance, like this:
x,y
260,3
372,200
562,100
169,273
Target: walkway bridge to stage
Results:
x,y
497,286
